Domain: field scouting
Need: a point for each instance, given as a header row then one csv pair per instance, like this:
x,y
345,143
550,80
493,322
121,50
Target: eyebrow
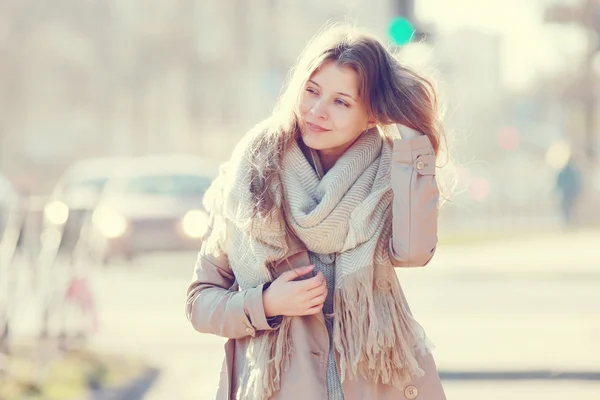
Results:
x,y
340,93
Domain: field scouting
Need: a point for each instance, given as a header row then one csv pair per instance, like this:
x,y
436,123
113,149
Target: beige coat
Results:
x,y
216,306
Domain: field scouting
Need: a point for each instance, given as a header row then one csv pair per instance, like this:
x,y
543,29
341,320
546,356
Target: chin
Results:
x,y
315,142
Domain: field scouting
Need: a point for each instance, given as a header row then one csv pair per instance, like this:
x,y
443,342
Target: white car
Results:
x,y
75,196
153,205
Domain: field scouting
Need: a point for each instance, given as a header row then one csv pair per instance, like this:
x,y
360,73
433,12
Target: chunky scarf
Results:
x,y
349,213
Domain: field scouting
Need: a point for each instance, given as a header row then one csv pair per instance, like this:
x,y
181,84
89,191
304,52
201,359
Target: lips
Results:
x,y
315,127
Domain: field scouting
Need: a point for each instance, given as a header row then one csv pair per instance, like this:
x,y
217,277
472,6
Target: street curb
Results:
x,y
533,375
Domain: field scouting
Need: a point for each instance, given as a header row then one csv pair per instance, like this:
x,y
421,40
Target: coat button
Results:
x,y
249,330
420,165
411,392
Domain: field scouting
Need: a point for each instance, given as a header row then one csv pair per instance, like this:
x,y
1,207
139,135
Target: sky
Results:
x,y
530,47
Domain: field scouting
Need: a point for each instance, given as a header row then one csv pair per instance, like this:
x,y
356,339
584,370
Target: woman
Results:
x,y
316,207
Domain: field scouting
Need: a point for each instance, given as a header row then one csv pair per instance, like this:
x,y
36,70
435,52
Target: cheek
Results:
x,y
306,104
345,118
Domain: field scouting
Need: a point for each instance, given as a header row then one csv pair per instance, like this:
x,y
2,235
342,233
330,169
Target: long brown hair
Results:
x,y
392,92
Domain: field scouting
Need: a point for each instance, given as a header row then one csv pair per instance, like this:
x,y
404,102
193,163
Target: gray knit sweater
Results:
x,y
325,263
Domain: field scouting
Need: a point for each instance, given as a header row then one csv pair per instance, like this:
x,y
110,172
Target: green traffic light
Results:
x,y
400,31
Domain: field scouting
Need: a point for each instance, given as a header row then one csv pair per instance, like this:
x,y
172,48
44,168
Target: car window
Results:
x,y
96,184
169,185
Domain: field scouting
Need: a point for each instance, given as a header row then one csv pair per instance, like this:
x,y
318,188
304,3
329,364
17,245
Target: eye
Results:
x,y
311,90
341,102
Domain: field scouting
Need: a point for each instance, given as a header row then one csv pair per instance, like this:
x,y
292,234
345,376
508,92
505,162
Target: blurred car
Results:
x,y
71,203
154,205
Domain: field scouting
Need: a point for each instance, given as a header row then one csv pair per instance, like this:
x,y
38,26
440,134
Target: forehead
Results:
x,y
333,77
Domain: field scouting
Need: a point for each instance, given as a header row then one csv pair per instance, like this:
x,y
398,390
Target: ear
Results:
x,y
371,123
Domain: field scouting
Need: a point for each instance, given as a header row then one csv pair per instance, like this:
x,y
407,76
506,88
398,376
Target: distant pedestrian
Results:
x,y
316,207
568,182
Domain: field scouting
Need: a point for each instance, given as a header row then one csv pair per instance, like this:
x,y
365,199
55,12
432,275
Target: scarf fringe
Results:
x,y
267,356
374,334
374,331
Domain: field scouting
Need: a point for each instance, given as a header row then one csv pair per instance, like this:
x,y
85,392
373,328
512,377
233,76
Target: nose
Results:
x,y
318,110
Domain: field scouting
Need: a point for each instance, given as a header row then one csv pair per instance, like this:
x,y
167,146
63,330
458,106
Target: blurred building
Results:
x,y
102,78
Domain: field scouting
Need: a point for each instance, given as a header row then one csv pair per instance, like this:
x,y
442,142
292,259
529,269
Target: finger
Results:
x,y
314,310
319,290
318,300
305,296
292,274
312,283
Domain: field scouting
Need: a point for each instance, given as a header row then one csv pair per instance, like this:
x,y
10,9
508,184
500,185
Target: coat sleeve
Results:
x,y
415,205
215,306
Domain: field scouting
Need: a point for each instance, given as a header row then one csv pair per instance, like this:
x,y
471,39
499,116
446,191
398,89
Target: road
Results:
x,y
497,313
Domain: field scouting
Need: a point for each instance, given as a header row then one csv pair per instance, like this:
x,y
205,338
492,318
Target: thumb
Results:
x,y
295,273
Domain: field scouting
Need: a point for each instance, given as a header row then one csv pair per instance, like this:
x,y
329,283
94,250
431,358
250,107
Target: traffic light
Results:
x,y
400,31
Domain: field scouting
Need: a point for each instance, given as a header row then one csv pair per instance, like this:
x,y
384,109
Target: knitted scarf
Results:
x,y
349,213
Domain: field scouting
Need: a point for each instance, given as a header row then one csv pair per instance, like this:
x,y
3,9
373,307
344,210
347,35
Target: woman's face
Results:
x,y
332,115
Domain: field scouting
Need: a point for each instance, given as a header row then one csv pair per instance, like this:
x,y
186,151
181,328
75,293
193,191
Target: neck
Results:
x,y
328,159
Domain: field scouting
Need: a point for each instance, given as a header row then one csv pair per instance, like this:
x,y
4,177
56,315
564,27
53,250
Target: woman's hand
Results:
x,y
294,298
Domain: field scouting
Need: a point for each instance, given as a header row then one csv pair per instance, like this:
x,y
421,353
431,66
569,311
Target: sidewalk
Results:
x,y
500,309
553,253
528,303
505,311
